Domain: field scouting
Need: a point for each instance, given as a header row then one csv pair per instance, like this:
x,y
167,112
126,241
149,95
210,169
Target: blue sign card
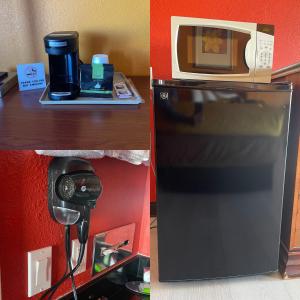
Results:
x,y
31,76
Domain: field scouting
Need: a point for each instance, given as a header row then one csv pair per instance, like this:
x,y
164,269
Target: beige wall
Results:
x,y
120,28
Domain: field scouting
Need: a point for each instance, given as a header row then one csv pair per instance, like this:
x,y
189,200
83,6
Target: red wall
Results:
x,y
284,14
26,225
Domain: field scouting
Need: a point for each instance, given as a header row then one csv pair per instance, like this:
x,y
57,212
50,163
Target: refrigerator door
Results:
x,y
221,154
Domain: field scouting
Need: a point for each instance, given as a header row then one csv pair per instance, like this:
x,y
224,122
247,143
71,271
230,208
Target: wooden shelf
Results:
x,y
26,124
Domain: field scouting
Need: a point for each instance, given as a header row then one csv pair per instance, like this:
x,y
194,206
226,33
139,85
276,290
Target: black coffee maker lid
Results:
x,y
61,42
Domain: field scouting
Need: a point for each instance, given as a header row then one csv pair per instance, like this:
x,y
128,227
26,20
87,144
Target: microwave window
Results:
x,y
211,50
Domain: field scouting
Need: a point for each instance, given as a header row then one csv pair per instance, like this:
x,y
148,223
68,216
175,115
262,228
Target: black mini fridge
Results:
x,y
221,161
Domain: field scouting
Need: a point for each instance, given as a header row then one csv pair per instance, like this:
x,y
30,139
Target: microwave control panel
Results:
x,y
265,46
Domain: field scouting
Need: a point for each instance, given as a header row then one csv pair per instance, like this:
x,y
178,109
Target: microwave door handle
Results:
x,y
249,55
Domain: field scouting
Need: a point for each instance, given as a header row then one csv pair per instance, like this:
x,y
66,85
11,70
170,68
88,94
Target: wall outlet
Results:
x,y
74,257
39,270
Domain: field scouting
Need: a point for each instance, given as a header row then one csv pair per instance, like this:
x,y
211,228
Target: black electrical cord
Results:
x,y
67,246
53,289
69,264
55,286
68,260
68,253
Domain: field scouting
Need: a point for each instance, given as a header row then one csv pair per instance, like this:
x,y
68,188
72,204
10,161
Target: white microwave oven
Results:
x,y
208,49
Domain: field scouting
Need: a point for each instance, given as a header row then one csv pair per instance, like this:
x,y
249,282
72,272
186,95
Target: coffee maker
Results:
x,y
63,51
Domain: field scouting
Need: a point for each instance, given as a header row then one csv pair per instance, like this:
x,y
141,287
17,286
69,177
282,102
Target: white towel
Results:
x,y
136,157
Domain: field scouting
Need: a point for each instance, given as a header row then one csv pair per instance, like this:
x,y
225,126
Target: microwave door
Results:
x,y
214,51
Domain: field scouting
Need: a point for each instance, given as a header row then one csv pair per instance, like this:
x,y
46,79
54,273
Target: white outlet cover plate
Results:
x,y
39,270
74,257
